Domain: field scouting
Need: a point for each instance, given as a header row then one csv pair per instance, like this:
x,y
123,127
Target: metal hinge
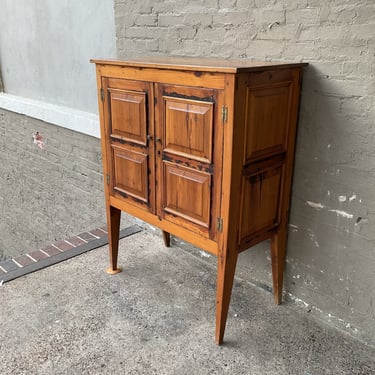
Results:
x,y
102,94
224,113
219,224
108,179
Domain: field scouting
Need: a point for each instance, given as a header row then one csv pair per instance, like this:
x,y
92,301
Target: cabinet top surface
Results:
x,y
199,63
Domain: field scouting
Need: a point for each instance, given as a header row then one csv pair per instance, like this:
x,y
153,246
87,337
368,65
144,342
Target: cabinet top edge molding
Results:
x,y
203,64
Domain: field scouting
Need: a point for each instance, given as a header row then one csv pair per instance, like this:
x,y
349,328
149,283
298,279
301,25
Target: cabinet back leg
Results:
x,y
166,238
113,224
278,251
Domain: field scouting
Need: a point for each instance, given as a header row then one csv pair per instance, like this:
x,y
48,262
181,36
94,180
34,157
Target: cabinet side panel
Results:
x,y
260,201
269,124
267,120
268,102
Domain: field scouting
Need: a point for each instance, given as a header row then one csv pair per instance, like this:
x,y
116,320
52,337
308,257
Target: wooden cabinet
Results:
x,y
202,149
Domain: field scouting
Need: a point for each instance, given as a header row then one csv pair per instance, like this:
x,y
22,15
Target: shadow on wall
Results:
x,y
330,259
332,229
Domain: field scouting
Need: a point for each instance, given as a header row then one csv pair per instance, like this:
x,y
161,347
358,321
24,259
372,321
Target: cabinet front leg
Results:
x,y
278,251
225,277
166,238
113,224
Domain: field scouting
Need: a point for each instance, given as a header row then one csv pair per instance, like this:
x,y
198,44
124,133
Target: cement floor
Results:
x,y
158,317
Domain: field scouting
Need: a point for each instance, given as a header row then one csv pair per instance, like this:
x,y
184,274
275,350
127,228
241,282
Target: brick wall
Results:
x,y
331,257
50,194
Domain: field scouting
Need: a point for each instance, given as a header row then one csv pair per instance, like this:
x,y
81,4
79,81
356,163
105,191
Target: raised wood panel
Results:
x,y
187,194
260,201
188,128
128,115
130,174
267,120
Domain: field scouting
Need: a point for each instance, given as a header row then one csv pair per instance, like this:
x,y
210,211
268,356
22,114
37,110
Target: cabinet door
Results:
x,y
129,131
188,156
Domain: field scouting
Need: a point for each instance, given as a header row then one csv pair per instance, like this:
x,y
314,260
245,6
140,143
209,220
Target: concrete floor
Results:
x,y
158,317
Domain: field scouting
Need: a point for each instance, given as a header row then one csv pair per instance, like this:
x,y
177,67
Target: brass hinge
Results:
x,y
224,113
219,224
102,94
108,179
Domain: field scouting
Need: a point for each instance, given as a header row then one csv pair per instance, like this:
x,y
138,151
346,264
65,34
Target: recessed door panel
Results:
x,y
188,128
128,115
130,173
187,194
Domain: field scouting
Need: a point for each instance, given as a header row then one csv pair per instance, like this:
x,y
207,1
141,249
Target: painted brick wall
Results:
x,y
46,195
331,252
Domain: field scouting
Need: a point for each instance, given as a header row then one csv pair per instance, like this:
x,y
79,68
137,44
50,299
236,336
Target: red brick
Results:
x,y
38,255
63,246
24,260
75,241
98,232
86,236
51,251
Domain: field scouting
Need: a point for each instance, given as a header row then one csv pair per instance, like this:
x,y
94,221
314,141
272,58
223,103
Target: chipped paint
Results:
x,y
203,254
333,319
351,199
294,228
38,140
342,213
297,300
342,198
318,206
313,238
361,220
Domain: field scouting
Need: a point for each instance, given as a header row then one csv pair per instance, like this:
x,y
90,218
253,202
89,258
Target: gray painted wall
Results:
x,y
331,252
45,48
46,45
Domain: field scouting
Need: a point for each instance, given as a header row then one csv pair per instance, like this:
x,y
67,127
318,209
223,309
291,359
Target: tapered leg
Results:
x,y
225,276
166,238
113,224
278,251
